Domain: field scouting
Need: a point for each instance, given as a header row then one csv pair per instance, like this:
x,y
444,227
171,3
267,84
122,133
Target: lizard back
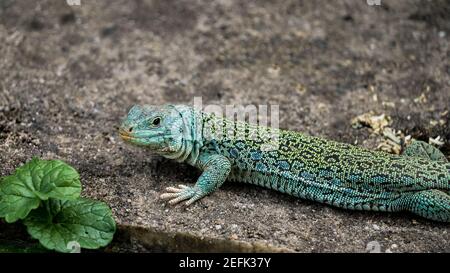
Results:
x,y
318,169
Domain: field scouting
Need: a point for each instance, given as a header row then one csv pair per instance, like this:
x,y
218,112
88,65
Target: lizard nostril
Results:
x,y
130,129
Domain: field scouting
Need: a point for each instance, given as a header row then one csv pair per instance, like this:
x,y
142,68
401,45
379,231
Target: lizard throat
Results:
x,y
191,136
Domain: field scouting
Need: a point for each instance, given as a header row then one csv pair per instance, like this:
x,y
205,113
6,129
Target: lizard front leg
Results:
x,y
215,171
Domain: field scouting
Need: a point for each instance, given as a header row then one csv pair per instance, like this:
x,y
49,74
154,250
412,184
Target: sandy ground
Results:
x,y
68,75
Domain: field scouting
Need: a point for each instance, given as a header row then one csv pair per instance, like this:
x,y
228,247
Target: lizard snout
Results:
x,y
125,133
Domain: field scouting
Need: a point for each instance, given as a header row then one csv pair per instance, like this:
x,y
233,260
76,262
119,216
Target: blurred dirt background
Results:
x,y
69,74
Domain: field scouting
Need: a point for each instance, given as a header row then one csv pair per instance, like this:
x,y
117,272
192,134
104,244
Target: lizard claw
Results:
x,y
181,193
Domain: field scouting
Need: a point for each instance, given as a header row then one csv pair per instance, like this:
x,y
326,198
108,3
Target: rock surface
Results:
x,y
68,75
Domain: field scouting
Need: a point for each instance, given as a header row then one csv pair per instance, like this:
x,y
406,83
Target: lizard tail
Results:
x,y
447,165
431,204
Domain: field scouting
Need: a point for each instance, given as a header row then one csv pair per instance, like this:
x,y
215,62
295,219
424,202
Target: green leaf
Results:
x,y
35,181
58,224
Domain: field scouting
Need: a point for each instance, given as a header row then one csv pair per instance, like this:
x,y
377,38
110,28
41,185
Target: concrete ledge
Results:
x,y
137,238
69,74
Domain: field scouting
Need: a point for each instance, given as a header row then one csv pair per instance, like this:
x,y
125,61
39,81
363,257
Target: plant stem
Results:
x,y
47,208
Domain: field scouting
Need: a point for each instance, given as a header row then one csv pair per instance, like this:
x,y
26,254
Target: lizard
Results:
x,y
308,167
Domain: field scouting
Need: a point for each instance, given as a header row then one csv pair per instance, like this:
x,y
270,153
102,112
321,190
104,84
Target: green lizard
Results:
x,y
307,167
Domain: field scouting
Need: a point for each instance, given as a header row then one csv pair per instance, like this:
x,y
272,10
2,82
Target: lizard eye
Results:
x,y
156,122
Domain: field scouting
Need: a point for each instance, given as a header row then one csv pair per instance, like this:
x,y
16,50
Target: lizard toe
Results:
x,y
179,194
193,199
173,189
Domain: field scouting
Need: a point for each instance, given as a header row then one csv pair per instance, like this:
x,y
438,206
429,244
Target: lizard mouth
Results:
x,y
125,135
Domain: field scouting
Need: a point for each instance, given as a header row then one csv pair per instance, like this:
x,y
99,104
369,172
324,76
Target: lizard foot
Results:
x,y
181,193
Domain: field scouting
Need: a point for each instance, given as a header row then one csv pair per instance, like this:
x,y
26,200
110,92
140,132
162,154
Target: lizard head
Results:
x,y
159,128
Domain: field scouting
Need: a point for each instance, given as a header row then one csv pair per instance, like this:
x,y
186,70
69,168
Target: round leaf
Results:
x,y
35,181
61,224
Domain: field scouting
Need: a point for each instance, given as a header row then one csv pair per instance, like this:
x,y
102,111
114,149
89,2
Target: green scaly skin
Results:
x,y
307,167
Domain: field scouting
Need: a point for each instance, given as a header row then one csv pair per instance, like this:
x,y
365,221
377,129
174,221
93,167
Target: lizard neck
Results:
x,y
191,140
